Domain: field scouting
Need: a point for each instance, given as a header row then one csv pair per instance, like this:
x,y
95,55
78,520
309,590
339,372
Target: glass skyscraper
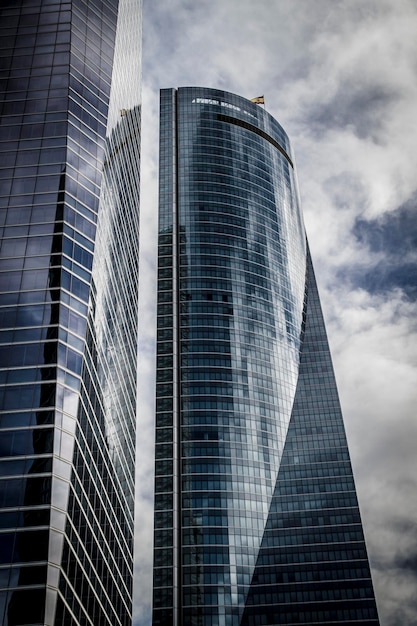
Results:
x,y
256,514
69,210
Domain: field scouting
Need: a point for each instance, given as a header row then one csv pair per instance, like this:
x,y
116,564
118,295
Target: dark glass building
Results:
x,y
256,514
69,209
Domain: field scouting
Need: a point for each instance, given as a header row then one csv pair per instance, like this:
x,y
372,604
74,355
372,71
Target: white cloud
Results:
x,y
375,357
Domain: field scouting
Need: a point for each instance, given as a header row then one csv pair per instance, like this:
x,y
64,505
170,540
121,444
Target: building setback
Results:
x,y
69,210
256,515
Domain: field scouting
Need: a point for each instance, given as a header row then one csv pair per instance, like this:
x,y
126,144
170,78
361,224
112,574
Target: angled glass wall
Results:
x,y
237,306
69,203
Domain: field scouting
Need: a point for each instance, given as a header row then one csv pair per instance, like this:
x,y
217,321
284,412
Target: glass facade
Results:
x,y
256,516
69,211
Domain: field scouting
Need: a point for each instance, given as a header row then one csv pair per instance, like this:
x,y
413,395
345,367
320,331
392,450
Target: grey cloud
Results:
x,y
408,563
358,108
383,278
393,233
346,191
390,241
398,577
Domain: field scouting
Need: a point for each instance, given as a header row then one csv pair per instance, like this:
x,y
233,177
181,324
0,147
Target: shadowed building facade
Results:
x,y
69,211
256,514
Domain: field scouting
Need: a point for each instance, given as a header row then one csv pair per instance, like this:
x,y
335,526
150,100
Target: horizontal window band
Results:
x,y
257,131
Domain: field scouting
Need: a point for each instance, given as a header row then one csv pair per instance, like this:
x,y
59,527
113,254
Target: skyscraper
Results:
x,y
256,514
69,207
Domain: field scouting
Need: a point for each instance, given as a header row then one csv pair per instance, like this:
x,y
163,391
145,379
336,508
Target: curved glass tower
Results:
x,y
256,515
69,210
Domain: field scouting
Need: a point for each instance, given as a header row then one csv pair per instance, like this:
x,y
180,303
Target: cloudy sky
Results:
x,y
341,77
